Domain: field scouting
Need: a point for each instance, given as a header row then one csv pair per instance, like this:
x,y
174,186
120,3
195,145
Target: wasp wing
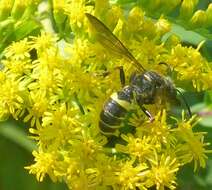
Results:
x,y
110,41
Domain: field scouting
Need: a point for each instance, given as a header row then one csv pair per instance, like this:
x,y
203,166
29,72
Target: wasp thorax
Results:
x,y
149,86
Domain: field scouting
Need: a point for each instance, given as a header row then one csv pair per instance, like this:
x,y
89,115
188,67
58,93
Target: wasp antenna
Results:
x,y
185,102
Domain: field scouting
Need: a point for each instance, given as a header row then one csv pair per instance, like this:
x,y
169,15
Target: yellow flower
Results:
x,y
139,148
46,76
131,177
192,147
135,20
76,12
190,66
59,5
163,171
18,50
44,43
38,104
45,162
158,130
57,127
18,67
11,99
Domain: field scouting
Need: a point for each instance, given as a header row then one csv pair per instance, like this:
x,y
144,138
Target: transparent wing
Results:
x,y
110,41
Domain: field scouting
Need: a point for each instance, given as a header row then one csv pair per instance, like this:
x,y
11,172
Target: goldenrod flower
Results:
x,y
18,68
45,163
18,50
11,96
163,171
131,177
75,10
190,66
36,108
44,42
159,130
191,144
139,148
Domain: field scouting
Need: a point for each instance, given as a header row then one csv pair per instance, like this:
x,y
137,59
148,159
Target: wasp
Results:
x,y
145,87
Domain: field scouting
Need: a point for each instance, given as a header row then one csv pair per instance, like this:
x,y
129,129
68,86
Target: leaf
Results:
x,y
26,28
208,98
209,173
15,134
187,36
206,121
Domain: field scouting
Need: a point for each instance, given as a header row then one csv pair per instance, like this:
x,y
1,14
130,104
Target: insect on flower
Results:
x,y
145,87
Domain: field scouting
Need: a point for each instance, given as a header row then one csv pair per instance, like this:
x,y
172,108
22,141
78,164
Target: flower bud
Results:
x,y
199,18
135,19
112,16
101,6
209,15
187,8
162,26
5,9
18,9
172,40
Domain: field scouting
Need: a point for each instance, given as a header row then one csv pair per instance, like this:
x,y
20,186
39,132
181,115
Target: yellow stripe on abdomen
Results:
x,y
125,104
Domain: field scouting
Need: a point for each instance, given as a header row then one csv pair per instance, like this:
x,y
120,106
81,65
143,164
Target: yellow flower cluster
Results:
x,y
17,20
59,89
188,11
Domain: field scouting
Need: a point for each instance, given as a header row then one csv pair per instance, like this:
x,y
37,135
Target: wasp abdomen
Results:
x,y
114,111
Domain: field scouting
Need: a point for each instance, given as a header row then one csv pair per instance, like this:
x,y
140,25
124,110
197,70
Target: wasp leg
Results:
x,y
122,75
147,113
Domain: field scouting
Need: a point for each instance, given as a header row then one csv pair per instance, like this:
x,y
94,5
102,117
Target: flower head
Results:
x,y
163,171
18,50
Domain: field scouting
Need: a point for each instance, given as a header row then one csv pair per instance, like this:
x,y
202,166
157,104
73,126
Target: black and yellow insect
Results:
x,y
145,87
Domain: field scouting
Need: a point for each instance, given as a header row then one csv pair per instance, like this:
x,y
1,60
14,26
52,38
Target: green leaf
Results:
x,y
26,28
208,179
15,134
207,49
187,36
206,121
208,98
